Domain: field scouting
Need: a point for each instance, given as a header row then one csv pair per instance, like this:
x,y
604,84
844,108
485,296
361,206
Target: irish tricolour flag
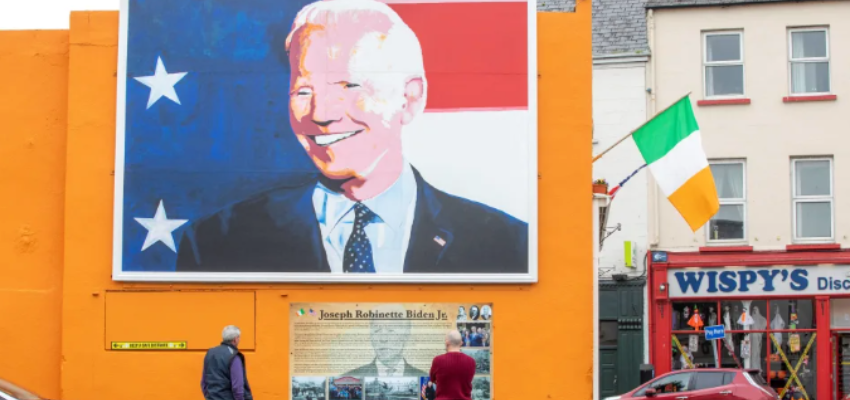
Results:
x,y
672,147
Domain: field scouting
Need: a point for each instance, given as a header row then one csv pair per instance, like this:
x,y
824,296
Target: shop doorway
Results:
x,y
841,365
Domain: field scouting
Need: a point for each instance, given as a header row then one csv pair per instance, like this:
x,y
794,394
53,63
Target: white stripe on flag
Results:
x,y
680,164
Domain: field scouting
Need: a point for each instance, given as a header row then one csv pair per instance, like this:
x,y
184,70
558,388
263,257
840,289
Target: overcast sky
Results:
x,y
45,14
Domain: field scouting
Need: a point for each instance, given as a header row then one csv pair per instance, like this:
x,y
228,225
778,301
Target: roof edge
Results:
x,y
650,6
627,57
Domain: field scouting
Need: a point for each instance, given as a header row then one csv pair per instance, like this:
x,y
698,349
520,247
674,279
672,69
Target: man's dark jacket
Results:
x,y
278,231
430,393
217,372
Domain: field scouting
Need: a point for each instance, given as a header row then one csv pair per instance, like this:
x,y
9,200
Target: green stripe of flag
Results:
x,y
666,130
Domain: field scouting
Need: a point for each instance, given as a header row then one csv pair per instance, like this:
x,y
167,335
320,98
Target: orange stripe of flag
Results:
x,y
697,199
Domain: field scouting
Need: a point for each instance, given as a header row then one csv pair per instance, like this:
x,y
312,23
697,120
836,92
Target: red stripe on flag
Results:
x,y
476,54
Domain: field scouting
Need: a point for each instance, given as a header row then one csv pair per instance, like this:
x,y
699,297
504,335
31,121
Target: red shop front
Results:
x,y
784,313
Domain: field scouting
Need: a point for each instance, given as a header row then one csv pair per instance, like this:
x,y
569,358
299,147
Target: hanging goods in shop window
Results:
x,y
696,320
727,323
756,339
745,319
777,324
794,342
693,343
745,347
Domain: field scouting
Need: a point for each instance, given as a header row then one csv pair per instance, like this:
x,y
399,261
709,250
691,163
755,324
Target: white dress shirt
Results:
x,y
389,232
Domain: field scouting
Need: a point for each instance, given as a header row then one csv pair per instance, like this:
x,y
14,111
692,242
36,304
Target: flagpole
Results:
x,y
628,135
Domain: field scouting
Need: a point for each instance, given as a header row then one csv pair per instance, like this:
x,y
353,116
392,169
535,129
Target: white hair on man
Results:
x,y
230,333
454,339
387,59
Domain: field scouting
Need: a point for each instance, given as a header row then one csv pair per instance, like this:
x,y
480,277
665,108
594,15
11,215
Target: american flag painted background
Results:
x,y
229,135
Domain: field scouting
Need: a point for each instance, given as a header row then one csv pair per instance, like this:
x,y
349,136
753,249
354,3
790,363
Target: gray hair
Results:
x,y
454,339
400,48
230,333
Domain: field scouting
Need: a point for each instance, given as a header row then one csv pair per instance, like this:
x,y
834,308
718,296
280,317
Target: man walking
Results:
x,y
452,372
225,376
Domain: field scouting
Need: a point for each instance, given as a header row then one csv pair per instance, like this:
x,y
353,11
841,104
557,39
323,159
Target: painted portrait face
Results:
x,y
347,102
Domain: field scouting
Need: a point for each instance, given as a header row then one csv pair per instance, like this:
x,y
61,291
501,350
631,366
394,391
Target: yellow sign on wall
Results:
x,y
149,345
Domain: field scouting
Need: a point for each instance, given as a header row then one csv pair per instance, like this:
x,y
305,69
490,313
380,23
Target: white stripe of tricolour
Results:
x,y
679,164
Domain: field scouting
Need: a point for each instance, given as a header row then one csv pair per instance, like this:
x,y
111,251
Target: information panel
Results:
x,y
380,351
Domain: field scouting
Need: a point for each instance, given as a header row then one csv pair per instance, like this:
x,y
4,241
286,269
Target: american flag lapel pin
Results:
x,y
440,241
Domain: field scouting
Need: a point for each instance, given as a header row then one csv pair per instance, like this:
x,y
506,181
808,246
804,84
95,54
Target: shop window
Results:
x,y
693,351
840,310
809,55
742,348
749,350
729,222
812,198
723,63
670,384
683,311
792,314
738,315
799,349
773,338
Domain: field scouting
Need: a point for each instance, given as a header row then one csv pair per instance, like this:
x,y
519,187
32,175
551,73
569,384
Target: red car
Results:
x,y
704,384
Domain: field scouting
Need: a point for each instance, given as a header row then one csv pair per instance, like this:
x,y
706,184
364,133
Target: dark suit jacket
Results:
x,y
277,231
371,370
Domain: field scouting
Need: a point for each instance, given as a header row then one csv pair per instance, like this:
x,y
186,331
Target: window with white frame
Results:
x,y
812,199
729,224
723,61
809,55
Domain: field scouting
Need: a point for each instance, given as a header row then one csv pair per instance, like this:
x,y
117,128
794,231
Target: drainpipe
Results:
x,y
651,108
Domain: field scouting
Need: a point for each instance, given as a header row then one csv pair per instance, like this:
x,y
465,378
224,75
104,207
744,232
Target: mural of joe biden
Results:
x,y
357,80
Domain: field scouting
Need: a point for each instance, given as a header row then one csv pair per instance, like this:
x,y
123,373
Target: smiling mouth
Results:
x,y
327,140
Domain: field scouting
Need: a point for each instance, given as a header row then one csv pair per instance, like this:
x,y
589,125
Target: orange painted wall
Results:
x,y
544,330
33,109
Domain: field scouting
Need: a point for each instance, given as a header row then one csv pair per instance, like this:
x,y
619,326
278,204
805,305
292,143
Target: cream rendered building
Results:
x,y
769,83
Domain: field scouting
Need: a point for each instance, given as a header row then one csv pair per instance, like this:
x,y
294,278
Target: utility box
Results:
x,y
630,253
